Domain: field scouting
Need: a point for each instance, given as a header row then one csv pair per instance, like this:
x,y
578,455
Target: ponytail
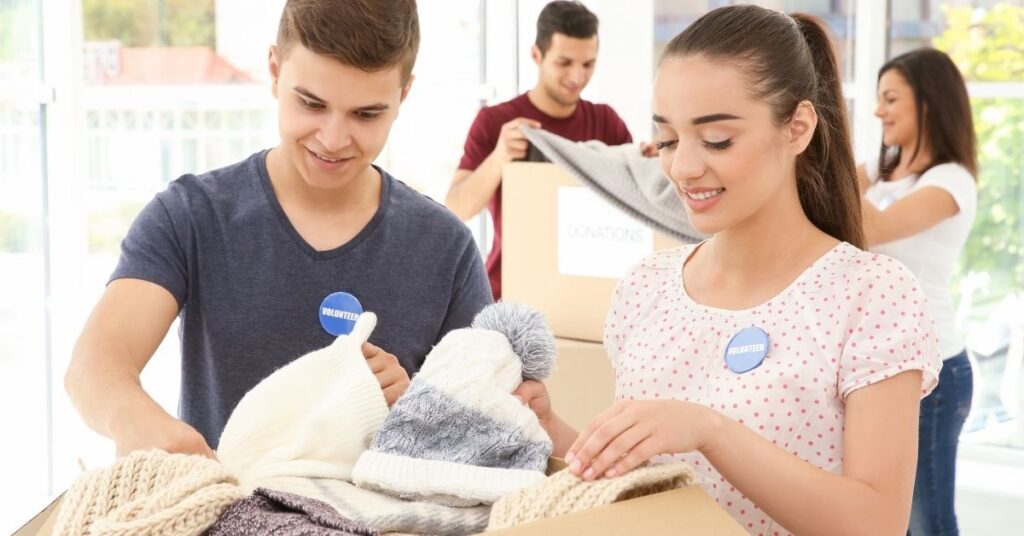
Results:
x,y
826,172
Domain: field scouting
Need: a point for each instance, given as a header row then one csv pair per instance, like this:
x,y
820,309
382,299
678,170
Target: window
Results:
x,y
983,38
23,269
162,88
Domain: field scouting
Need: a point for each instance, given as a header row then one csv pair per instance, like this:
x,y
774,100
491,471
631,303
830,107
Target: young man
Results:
x,y
565,52
245,255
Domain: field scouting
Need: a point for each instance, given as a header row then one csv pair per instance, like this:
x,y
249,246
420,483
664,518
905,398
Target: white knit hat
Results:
x,y
310,418
458,436
148,492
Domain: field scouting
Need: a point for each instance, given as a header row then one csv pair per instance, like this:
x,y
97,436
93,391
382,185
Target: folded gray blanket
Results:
x,y
267,511
623,177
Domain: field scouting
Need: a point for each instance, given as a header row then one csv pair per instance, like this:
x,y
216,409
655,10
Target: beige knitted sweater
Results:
x,y
148,492
565,493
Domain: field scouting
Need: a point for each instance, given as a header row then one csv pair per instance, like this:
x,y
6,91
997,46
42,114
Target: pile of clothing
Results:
x,y
314,449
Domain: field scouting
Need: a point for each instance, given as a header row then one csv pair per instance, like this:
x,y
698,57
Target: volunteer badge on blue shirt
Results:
x,y
339,312
746,350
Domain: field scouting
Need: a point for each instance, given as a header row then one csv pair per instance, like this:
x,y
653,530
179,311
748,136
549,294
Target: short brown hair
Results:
x,y
567,17
371,35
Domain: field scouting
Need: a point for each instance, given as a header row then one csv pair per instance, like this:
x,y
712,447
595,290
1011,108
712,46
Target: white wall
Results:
x,y
246,45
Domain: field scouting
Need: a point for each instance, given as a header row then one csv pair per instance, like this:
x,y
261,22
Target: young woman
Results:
x,y
780,360
921,200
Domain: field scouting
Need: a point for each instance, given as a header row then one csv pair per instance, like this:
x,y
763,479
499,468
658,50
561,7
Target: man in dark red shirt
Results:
x,y
565,52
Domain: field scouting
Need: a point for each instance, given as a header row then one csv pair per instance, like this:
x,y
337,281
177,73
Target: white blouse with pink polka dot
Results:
x,y
850,320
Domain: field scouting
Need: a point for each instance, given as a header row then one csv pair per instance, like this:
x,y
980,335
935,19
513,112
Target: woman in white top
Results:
x,y
920,201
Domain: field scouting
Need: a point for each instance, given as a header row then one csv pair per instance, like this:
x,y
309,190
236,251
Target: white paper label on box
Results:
x,y
595,238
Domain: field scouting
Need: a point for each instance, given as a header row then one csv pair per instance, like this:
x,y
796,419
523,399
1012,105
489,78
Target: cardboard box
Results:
x,y
687,511
564,248
582,385
43,522
583,382
681,512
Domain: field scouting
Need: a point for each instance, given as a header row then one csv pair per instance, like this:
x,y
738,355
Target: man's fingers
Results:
x,y
530,390
528,122
370,350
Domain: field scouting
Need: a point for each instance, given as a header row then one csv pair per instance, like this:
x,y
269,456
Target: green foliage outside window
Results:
x,y
16,29
14,233
988,46
150,23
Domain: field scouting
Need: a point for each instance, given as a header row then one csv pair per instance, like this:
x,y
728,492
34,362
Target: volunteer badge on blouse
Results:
x,y
746,350
339,312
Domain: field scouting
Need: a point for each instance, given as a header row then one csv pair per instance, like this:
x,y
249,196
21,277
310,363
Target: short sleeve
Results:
x,y
471,293
617,320
635,293
480,141
956,180
618,132
889,331
155,247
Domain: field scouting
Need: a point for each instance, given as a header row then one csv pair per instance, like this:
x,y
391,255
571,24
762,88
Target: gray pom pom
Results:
x,y
527,330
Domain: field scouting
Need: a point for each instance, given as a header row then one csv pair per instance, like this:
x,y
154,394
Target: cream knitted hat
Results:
x,y
148,492
311,418
565,493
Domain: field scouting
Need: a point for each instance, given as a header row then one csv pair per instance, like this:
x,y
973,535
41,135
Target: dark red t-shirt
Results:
x,y
589,122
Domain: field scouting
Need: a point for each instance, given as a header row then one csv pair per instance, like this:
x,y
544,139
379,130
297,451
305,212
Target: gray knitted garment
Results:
x,y
268,511
384,513
623,177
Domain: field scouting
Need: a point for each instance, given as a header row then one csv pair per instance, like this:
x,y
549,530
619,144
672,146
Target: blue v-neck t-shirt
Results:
x,y
249,287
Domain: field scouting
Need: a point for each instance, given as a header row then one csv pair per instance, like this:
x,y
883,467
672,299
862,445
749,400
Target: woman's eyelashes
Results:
x,y
713,145
718,145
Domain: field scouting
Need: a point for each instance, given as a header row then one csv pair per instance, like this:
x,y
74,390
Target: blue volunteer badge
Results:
x,y
746,350
339,312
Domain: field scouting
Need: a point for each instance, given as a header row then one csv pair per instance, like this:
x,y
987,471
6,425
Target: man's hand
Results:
x,y
135,431
648,149
534,395
393,379
512,143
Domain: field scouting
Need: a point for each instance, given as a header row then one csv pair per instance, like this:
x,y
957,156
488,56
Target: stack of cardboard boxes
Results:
x,y
564,250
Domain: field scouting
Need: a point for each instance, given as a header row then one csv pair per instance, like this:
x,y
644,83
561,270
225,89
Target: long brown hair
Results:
x,y
789,59
943,111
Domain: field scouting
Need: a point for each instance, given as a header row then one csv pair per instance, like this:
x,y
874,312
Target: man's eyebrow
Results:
x,y
308,94
376,107
379,107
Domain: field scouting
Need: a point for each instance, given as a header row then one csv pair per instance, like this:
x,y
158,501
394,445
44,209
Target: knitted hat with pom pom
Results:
x,y
458,436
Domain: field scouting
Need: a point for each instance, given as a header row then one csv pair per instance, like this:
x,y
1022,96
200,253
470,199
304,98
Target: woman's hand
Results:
x,y
630,432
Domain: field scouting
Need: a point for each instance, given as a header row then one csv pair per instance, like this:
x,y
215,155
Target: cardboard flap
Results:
x,y
678,512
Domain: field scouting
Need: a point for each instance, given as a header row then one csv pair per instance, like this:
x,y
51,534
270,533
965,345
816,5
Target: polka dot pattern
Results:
x,y
852,319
